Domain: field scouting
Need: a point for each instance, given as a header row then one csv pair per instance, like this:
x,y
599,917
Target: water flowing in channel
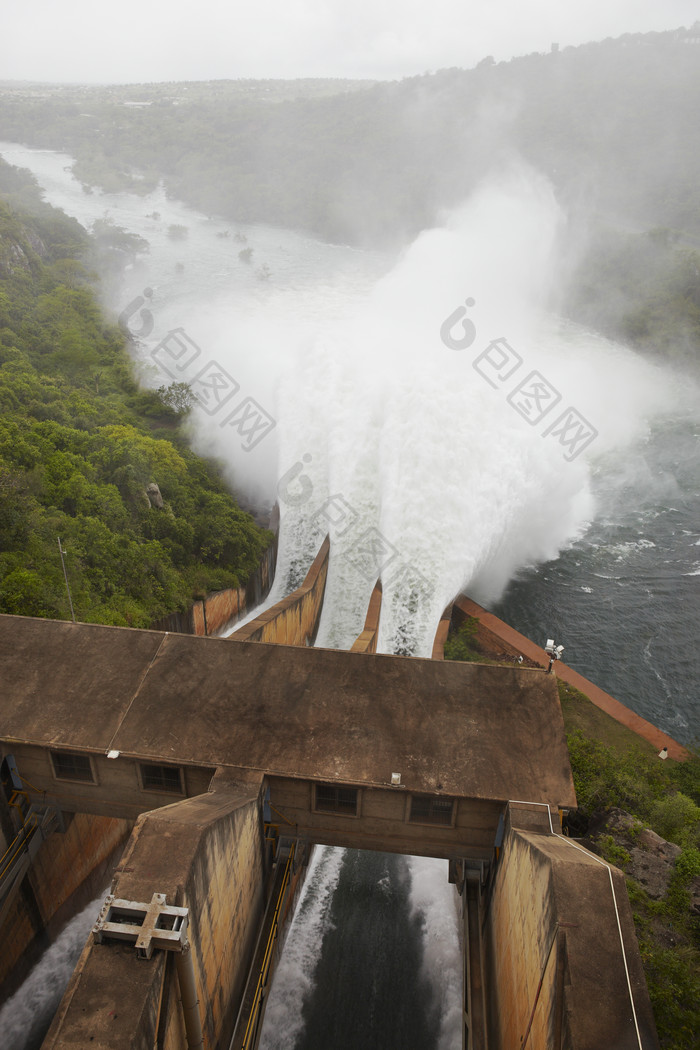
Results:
x,y
372,958
26,1016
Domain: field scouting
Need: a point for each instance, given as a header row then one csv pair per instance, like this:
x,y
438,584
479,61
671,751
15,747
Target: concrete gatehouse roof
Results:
x,y
469,730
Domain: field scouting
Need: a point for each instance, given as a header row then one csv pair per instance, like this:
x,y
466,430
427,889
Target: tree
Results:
x,y
177,396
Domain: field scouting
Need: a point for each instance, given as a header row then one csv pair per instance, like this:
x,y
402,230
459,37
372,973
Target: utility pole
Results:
x,y
65,577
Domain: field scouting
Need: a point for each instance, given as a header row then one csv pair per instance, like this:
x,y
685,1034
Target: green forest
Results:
x,y
80,445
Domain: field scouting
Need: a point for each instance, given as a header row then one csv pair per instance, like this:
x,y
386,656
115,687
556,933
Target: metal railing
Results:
x,y
254,1018
37,824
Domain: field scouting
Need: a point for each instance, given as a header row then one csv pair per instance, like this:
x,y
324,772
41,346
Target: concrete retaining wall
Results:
x,y
205,854
522,924
443,629
366,642
500,640
294,620
17,933
491,641
64,862
557,962
222,608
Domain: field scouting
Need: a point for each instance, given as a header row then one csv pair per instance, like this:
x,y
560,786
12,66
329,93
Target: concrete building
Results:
x,y
229,759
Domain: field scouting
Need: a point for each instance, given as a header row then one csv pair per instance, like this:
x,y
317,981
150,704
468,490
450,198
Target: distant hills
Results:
x,y
612,124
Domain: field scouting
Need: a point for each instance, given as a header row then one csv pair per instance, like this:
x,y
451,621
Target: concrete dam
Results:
x,y
216,764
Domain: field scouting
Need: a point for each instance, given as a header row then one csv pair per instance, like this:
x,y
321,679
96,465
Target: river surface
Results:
x,y
414,408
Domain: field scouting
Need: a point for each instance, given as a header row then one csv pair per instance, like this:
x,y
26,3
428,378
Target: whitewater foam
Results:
x,y
294,975
434,899
27,1013
444,480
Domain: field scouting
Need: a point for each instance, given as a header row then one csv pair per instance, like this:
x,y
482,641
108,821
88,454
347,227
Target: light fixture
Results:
x,y
554,651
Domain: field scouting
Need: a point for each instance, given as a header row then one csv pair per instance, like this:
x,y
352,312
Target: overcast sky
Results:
x,y
146,40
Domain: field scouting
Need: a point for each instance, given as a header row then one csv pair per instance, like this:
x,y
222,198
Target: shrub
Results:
x,y
462,644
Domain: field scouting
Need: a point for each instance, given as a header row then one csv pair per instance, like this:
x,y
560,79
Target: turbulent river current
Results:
x,y
449,435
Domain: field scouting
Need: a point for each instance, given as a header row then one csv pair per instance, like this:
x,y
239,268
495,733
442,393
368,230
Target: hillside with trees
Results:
x,y
88,457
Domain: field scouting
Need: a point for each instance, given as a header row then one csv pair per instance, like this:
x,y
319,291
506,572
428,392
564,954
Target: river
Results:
x,y
416,408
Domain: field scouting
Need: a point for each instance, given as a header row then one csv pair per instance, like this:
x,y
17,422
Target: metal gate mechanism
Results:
x,y
148,926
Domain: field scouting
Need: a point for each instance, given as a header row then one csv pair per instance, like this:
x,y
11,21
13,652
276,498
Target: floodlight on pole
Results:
x,y
554,651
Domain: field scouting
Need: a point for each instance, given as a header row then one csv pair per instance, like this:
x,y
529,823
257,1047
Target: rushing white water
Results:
x,y
373,954
418,458
25,1016
421,460
434,899
294,976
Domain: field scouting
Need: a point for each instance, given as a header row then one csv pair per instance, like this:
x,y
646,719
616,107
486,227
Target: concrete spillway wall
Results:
x,y
51,888
205,854
366,642
294,620
220,609
441,633
562,963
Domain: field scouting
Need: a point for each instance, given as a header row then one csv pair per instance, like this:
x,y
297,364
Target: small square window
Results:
x,y
331,798
69,766
428,810
161,778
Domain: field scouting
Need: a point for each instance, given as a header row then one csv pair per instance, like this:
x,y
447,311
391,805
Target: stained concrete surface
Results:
x,y
469,730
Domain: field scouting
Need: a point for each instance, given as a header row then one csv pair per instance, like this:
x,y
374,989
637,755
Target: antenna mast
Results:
x,y
65,577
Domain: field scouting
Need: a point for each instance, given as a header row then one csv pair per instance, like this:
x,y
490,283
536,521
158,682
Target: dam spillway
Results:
x,y
228,756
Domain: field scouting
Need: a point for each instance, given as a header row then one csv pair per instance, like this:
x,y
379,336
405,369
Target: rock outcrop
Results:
x,y
651,858
16,251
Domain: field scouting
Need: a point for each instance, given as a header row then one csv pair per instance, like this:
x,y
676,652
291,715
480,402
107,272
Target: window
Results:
x,y
428,810
330,798
162,778
69,766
